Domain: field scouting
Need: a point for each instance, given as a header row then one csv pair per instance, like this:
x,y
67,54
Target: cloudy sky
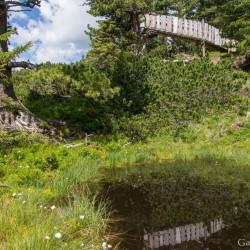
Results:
x,y
56,30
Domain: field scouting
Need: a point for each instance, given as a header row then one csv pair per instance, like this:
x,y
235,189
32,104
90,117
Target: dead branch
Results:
x,y
23,64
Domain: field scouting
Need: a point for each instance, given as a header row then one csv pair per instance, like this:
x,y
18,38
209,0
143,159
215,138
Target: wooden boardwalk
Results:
x,y
185,29
181,234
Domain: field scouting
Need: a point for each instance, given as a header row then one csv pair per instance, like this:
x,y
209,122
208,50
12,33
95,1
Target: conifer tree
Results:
x,y
13,115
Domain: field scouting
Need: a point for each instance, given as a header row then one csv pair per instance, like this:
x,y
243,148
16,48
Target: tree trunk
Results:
x,y
6,90
13,115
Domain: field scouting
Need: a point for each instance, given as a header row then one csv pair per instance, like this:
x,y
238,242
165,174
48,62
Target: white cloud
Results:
x,y
58,32
17,14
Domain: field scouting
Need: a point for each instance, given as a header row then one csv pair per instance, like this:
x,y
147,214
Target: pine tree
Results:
x,y
13,115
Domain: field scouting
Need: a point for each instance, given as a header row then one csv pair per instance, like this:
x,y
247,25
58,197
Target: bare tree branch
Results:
x,y
27,3
23,64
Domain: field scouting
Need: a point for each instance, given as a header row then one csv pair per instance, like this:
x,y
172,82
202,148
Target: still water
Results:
x,y
159,196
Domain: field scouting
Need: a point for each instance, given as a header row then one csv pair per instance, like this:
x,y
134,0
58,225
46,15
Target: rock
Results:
x,y
242,62
237,125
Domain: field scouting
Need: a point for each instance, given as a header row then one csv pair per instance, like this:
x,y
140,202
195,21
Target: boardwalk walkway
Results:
x,y
185,29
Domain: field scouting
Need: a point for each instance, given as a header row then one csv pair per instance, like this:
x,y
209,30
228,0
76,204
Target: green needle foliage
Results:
x,y
6,57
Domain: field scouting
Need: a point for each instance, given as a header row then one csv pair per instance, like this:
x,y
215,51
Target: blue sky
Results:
x,y
56,29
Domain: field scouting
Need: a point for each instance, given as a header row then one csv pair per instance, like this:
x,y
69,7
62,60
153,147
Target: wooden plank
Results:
x,y
216,225
190,28
147,20
185,32
197,231
169,24
195,29
202,229
161,233
206,32
175,24
183,234
192,232
158,22
200,34
151,241
166,237
211,227
156,240
164,23
188,232
180,26
177,236
211,33
172,236
153,21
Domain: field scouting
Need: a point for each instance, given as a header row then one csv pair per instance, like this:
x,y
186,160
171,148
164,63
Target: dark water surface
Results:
x,y
159,196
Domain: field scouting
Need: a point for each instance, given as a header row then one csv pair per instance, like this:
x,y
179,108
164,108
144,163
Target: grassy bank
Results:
x,y
48,203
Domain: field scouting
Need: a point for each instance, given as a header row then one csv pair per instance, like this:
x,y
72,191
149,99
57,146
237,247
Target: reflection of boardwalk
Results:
x,y
185,29
181,234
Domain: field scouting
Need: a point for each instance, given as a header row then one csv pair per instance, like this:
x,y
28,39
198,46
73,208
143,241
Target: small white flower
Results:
x,y
41,206
104,245
81,245
47,238
20,194
14,194
53,207
45,207
82,217
20,166
24,202
5,156
109,246
58,235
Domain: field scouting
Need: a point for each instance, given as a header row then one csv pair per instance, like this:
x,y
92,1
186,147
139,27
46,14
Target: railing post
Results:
x,y
203,39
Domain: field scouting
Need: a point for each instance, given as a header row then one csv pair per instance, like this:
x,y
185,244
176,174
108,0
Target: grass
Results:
x,y
26,226
27,217
42,174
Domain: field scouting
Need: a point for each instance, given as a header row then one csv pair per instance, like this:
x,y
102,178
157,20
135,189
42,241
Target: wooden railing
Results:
x,y
155,240
190,29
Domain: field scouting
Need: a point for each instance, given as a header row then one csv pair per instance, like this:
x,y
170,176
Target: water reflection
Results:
x,y
155,197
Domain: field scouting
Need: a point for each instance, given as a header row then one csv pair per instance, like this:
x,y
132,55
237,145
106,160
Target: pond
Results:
x,y
154,197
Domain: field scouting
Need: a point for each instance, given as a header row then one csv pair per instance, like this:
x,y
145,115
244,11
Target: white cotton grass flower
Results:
x,y
58,235
47,237
82,217
53,207
104,245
